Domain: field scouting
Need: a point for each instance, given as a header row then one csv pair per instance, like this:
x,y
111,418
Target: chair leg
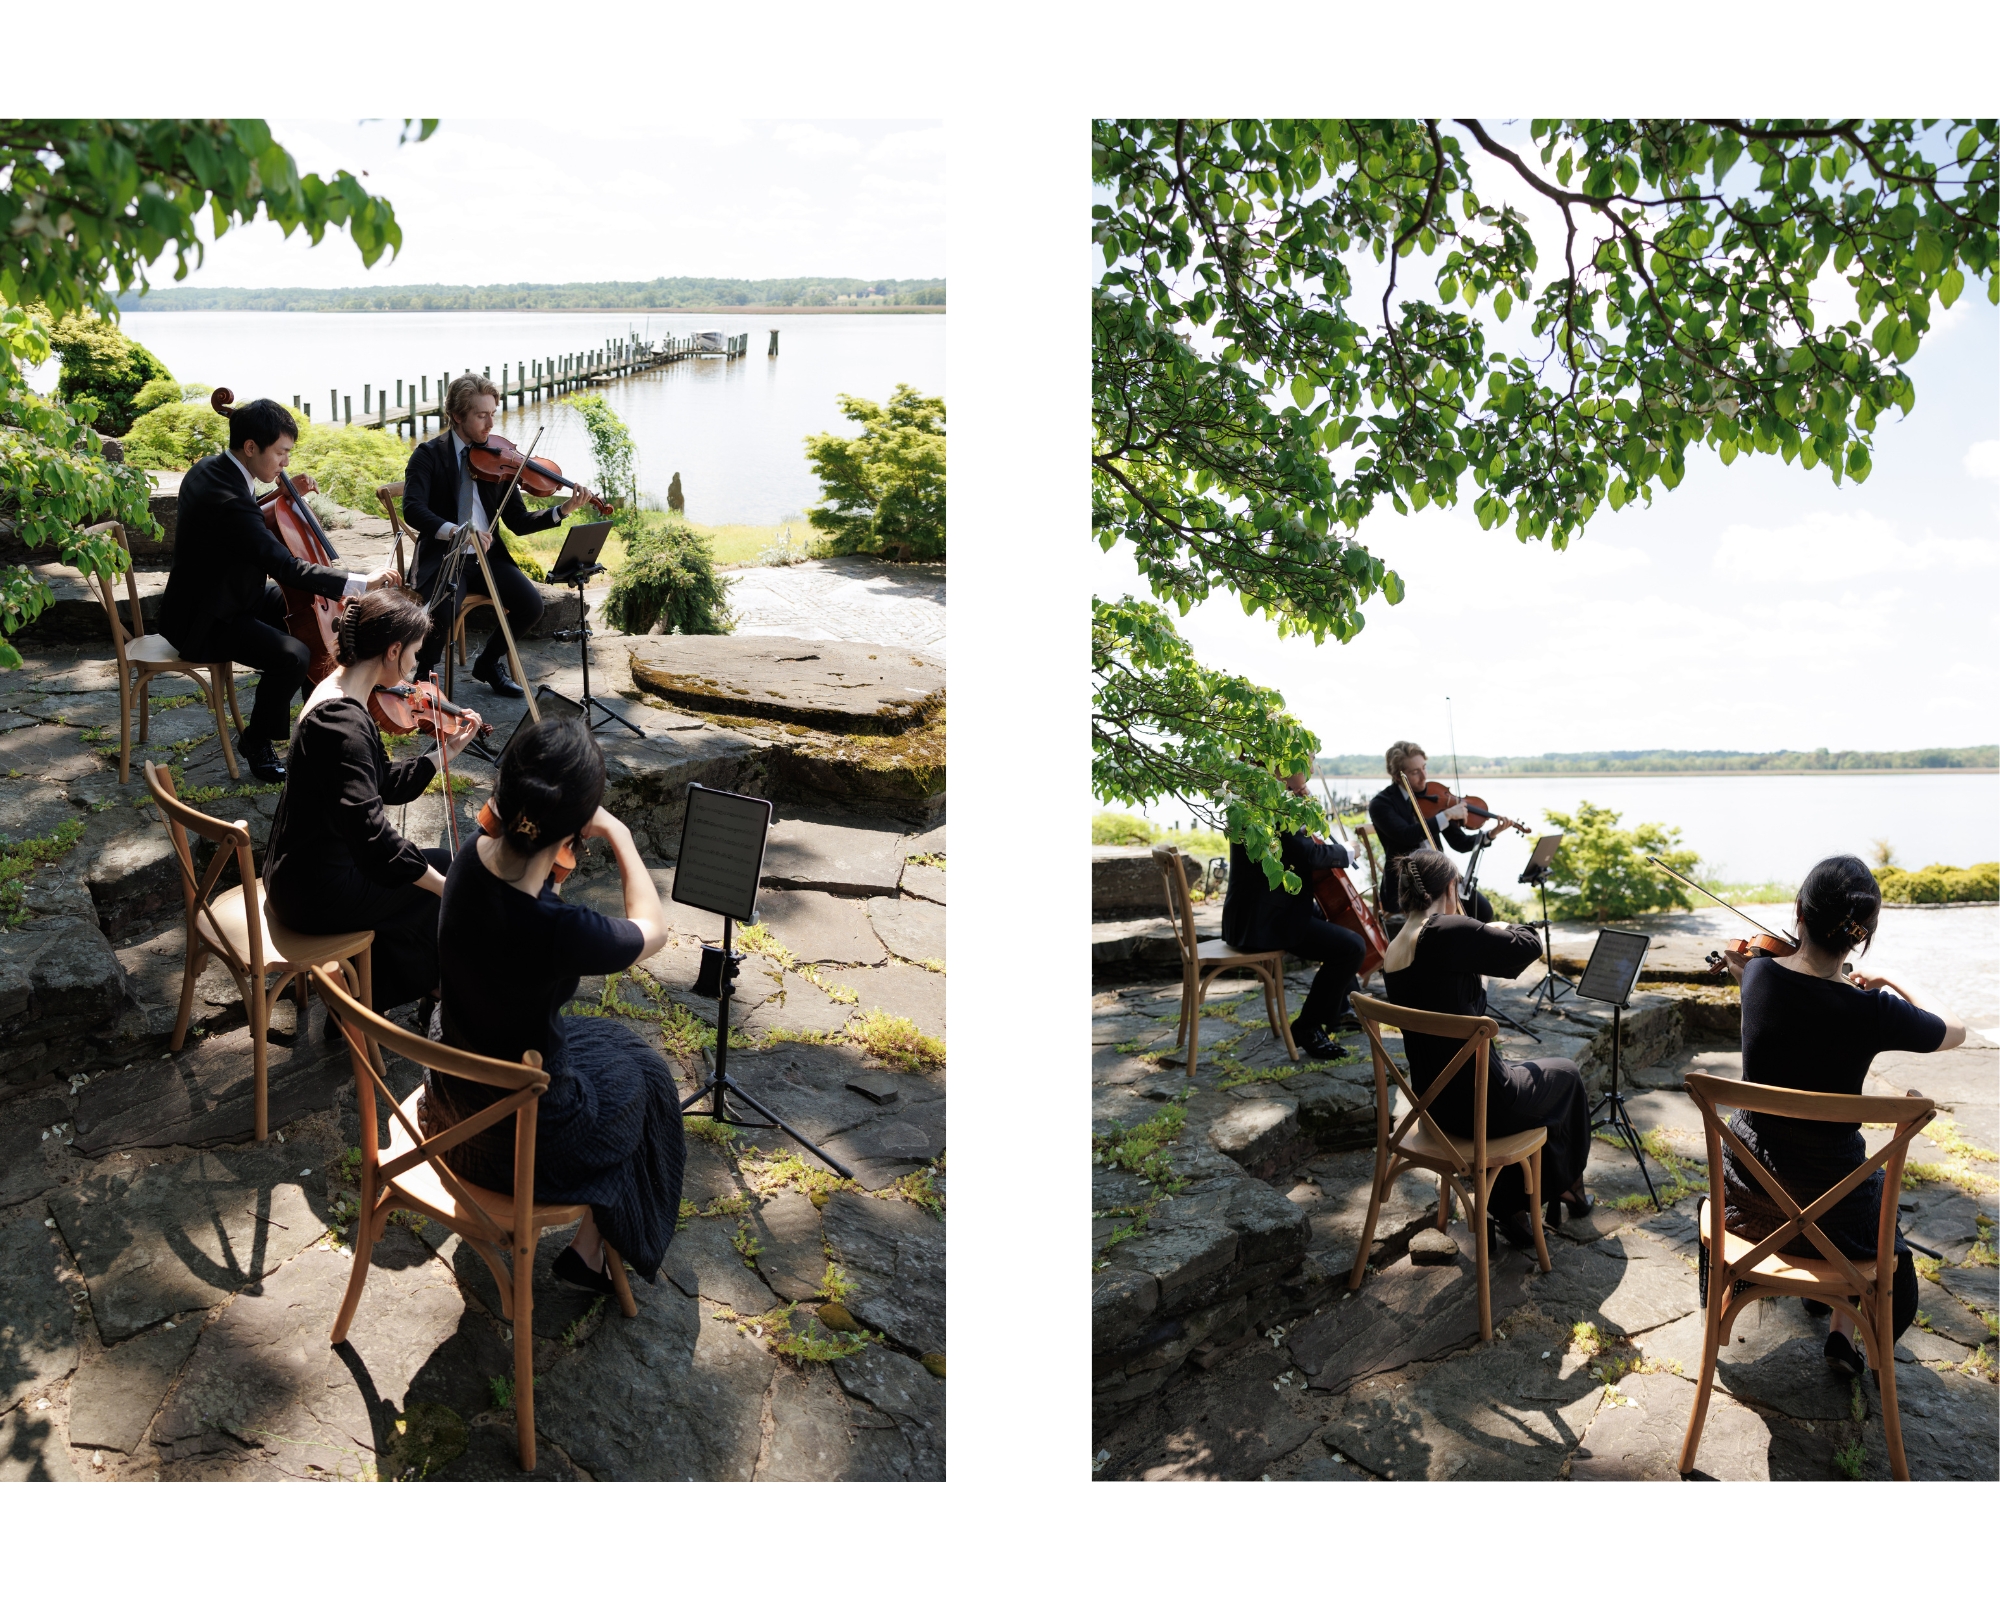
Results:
x,y
363,1253
197,958
1444,1203
1882,1357
524,1352
145,704
228,671
1481,1250
620,1282
1534,1166
1711,1343
221,732
1374,1214
1281,1023
124,730
260,1023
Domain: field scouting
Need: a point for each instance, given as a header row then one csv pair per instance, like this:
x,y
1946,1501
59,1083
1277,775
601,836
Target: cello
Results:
x,y
1346,907
311,619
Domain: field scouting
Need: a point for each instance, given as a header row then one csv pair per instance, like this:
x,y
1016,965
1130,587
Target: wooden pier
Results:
x,y
526,382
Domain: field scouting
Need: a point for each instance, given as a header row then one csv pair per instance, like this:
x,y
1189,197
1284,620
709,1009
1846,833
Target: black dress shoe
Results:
x,y
1518,1230
497,678
262,760
570,1267
1316,1044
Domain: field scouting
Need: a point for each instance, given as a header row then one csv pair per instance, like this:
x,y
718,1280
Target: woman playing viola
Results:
x,y
1810,1024
608,1132
335,863
1436,963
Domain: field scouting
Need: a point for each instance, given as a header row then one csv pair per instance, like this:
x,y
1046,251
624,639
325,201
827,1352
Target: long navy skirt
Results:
x,y
607,1135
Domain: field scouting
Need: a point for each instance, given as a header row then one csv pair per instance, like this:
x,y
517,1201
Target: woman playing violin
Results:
x,y
1437,962
335,863
1811,1023
1256,916
441,498
1401,830
609,1126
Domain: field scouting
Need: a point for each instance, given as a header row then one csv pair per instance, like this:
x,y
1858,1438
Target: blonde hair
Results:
x,y
1400,752
464,390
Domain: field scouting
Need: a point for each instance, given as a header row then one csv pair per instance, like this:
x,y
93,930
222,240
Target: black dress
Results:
x,y
1401,831
608,1128
335,864
1445,975
1802,1032
1256,916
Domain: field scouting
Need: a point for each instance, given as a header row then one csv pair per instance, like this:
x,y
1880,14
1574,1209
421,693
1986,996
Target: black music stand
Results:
x,y
720,863
576,564
1613,968
1536,873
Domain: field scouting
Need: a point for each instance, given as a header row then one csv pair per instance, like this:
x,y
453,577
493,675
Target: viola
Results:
x,y
497,461
491,825
1434,797
311,619
1762,943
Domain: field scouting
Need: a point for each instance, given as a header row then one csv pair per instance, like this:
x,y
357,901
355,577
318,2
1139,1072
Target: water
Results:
x,y
1757,828
732,429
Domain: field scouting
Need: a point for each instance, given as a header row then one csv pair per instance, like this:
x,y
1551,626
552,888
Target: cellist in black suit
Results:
x,y
220,604
440,498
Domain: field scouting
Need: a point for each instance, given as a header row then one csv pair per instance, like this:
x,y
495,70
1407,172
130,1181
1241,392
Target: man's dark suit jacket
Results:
x,y
1256,916
222,554
430,500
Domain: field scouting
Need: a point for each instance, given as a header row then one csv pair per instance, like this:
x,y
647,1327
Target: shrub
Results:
x,y
349,464
165,392
1938,884
1118,827
884,493
173,437
612,448
100,364
669,578
1601,872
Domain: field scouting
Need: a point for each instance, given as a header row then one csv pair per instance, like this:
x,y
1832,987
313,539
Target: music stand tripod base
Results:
x,y
1608,978
595,712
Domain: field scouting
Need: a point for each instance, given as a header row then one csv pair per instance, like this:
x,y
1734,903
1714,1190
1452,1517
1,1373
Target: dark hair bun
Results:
x,y
1422,877
1839,904
379,619
551,783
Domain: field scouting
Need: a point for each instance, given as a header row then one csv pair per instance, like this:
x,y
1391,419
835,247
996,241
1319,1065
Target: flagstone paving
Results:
x,y
1226,1343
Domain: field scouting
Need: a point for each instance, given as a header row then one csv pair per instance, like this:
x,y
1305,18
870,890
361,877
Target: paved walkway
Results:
x,y
845,597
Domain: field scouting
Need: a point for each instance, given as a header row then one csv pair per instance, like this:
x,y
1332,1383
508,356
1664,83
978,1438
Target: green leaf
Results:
x,y
1950,287
1503,302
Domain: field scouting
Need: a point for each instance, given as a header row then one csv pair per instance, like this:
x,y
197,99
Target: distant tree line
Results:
x,y
1966,756
662,294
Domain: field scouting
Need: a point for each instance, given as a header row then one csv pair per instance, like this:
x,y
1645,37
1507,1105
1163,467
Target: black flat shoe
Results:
x,y
497,678
1840,1353
571,1269
261,759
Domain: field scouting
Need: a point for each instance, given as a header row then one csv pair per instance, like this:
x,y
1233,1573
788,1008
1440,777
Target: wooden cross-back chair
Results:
x,y
1202,959
144,656
236,926
503,1228
1366,835
1466,1168
390,494
1737,1271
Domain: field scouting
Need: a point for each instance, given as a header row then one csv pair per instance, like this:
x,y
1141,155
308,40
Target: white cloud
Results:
x,y
1982,459
811,143
1832,547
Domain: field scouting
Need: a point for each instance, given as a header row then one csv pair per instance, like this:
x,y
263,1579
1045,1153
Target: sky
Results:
x,y
1758,606
556,200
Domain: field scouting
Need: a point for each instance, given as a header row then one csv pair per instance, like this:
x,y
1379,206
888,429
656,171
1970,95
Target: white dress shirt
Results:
x,y
357,582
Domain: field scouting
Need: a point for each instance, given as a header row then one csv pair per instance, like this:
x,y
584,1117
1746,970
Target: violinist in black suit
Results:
x,y
441,499
1256,916
1402,831
220,604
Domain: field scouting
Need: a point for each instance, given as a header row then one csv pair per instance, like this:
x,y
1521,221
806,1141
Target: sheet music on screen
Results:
x,y
722,852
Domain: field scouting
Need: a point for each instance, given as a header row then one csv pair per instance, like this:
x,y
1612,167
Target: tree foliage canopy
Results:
x,y
1255,397
87,206
884,493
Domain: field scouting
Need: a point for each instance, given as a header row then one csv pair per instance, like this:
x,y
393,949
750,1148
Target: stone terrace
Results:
x,y
1226,1344
166,1285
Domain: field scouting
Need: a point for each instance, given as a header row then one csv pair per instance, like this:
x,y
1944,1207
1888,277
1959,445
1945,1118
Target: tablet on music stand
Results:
x,y
581,548
550,704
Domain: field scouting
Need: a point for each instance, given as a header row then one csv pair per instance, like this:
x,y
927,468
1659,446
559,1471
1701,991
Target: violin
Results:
x,y
1762,943
410,707
491,825
1434,797
311,619
497,461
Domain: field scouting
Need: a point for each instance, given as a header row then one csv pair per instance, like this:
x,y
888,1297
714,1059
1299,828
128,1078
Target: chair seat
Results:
x,y
425,1189
156,651
1221,950
1501,1151
1793,1272
298,950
